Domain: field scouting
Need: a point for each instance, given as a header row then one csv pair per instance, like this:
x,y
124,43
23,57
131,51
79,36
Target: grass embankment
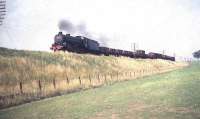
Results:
x,y
27,75
171,95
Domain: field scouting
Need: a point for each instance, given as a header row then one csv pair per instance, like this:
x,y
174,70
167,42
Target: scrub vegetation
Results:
x,y
31,75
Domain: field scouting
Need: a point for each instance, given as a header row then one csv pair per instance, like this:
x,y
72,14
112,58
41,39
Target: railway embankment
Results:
x,y
31,75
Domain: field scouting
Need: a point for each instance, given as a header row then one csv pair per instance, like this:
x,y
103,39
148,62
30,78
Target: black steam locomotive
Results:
x,y
80,44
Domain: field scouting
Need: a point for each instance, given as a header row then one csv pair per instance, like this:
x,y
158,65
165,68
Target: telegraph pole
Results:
x,y
163,52
2,10
133,47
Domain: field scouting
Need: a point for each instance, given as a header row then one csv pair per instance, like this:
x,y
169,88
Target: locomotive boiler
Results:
x,y
76,44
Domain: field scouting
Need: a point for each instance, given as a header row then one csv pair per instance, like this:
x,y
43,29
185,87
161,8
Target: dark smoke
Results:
x,y
69,27
65,25
81,29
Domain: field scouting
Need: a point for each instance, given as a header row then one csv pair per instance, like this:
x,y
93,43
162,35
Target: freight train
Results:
x,y
80,44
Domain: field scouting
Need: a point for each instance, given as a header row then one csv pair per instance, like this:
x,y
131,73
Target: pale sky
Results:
x,y
154,25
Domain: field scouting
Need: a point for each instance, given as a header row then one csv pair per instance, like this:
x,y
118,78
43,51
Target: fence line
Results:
x,y
42,88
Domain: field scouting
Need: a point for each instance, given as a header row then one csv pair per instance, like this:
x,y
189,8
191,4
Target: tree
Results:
x,y
196,54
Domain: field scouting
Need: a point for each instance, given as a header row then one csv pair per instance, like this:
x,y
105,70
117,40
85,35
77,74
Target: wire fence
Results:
x,y
23,92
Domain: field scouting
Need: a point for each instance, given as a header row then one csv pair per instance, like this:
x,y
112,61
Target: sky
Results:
x,y
154,25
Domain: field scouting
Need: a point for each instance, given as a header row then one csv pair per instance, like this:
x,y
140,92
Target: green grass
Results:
x,y
171,95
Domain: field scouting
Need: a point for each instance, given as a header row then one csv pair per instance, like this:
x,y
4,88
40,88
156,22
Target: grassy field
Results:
x,y
30,75
172,95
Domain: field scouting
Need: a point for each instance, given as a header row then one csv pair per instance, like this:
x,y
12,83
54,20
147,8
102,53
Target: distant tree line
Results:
x,y
196,54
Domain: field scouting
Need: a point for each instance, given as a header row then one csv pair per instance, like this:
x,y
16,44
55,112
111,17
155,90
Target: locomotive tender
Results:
x,y
80,44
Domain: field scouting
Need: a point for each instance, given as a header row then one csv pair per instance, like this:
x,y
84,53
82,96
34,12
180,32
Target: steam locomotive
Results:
x,y
80,44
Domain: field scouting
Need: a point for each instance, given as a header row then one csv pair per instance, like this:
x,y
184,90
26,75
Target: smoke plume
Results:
x,y
69,27
65,25
81,29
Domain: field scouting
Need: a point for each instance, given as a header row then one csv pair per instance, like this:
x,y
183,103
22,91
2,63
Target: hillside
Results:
x,y
21,70
13,63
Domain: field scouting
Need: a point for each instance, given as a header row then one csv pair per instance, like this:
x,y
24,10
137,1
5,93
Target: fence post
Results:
x,y
40,86
98,78
143,72
90,79
125,76
105,79
117,76
122,76
54,83
79,78
67,80
20,87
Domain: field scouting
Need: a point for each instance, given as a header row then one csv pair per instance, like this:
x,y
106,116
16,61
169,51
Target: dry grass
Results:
x,y
59,72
